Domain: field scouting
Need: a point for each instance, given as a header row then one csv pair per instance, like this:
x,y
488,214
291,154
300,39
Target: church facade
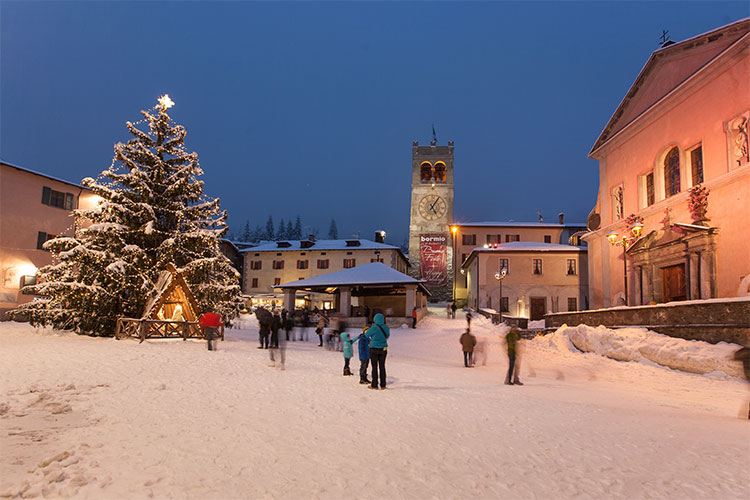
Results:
x,y
670,221
430,245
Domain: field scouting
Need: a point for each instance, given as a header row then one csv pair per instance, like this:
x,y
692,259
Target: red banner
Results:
x,y
433,259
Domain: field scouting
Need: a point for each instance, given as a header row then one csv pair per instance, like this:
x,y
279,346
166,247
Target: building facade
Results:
x,y
430,251
33,209
270,264
681,129
469,236
526,279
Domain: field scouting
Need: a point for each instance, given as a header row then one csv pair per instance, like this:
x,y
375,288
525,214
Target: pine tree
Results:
x,y
257,234
246,232
153,211
290,231
281,232
333,232
298,229
269,235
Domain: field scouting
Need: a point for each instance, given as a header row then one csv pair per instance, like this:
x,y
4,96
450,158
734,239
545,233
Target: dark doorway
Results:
x,y
674,283
538,308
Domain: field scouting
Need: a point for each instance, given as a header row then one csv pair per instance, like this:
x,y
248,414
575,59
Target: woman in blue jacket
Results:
x,y
378,335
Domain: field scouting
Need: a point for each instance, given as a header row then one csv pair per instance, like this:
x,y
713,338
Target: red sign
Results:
x,y
433,258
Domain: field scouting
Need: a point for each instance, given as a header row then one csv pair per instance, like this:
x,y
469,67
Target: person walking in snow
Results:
x,y
263,334
453,310
277,352
346,349
468,341
211,323
275,325
364,356
414,317
367,315
512,340
320,328
378,335
288,324
468,320
448,310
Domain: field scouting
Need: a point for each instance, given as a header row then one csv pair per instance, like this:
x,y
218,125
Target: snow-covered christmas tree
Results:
x,y
153,211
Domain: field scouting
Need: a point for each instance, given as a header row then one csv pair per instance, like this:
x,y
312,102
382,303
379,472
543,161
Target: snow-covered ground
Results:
x,y
105,419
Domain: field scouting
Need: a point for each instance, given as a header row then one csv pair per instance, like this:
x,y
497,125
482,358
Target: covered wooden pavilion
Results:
x,y
375,285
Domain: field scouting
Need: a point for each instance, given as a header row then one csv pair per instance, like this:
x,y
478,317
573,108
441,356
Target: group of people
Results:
x,y
469,345
373,346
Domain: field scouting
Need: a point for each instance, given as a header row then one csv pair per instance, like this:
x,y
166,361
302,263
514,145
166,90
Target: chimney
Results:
x,y
311,237
379,236
561,216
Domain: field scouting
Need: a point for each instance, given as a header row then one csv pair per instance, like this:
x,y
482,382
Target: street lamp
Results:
x,y
624,242
499,275
454,229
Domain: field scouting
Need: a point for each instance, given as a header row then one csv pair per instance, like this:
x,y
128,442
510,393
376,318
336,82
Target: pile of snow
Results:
x,y
642,345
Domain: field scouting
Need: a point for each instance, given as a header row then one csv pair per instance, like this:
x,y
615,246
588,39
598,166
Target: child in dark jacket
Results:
x,y
364,356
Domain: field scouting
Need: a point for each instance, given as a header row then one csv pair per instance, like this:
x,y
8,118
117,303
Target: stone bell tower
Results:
x,y
430,243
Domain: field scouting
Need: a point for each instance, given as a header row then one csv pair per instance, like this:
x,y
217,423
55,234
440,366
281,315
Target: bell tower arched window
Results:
x,y
440,172
672,172
425,172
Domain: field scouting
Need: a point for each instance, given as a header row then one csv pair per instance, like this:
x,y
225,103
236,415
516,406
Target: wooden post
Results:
x,y
143,331
117,328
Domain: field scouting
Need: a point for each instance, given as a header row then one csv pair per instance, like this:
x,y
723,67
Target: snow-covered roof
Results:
x,y
321,245
43,175
375,273
524,246
517,224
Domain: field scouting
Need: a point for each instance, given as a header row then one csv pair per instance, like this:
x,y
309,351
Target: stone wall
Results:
x,y
713,320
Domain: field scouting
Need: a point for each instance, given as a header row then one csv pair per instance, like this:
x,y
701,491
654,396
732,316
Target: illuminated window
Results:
x,y
571,266
276,281
672,173
537,266
696,164
349,263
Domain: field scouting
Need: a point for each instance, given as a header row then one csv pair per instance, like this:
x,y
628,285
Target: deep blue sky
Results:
x,y
311,108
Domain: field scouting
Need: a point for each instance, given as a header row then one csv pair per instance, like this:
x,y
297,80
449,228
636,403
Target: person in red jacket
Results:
x,y
211,322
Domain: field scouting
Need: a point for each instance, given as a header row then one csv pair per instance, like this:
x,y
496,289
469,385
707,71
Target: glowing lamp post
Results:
x,y
499,275
454,229
624,242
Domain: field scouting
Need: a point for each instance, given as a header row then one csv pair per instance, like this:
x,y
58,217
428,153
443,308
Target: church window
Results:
x,y
425,172
440,172
672,172
650,196
696,164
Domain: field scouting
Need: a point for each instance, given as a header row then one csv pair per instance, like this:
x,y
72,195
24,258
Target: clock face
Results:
x,y
432,207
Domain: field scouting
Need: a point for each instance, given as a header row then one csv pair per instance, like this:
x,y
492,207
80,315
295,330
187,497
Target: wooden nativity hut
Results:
x,y
172,312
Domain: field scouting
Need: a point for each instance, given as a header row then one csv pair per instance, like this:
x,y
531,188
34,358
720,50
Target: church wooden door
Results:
x,y
673,278
538,308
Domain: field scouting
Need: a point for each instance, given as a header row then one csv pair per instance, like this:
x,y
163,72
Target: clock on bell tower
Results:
x,y
430,244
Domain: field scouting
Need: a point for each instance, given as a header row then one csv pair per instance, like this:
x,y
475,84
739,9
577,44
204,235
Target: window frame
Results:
x,y
350,263
691,159
568,263
537,269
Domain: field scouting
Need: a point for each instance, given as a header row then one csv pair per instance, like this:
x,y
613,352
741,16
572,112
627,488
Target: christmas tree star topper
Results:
x,y
166,102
